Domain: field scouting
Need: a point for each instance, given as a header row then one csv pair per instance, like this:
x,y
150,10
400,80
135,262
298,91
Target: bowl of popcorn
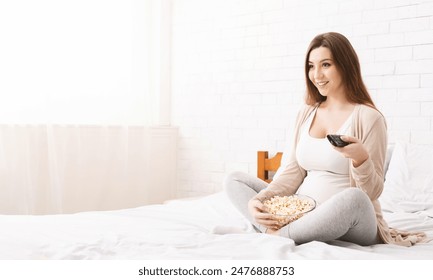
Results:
x,y
287,209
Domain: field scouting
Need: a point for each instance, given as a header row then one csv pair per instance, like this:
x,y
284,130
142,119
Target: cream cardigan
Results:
x,y
369,126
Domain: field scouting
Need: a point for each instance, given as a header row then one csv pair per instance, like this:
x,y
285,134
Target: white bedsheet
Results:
x,y
181,229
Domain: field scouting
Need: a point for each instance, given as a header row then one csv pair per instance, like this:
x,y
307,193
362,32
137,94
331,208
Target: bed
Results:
x,y
209,228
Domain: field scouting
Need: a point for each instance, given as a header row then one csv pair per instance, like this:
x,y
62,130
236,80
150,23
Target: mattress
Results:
x,y
206,228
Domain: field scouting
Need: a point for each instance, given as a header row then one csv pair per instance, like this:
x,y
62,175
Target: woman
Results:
x,y
345,181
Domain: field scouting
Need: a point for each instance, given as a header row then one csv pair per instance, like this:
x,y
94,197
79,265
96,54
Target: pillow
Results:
x,y
409,179
389,150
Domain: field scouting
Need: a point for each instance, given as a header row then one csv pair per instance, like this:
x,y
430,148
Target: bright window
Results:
x,y
78,62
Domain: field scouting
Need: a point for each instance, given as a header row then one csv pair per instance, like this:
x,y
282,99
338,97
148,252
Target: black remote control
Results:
x,y
336,140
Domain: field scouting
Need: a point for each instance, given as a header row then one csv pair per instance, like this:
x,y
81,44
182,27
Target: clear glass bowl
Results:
x,y
287,209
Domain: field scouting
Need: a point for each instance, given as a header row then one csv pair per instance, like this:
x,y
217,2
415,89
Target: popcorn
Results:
x,y
289,208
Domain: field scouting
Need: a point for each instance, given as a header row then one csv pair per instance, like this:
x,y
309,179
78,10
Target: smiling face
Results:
x,y
324,74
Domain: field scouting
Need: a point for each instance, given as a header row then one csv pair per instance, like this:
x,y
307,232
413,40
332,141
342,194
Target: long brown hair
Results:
x,y
347,63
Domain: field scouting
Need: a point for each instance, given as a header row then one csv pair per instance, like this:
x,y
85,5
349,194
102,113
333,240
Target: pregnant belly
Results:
x,y
321,185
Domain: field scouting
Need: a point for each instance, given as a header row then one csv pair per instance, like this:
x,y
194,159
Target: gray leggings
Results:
x,y
348,215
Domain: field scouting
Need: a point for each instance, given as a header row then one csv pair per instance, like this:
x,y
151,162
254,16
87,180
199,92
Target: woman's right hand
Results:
x,y
257,211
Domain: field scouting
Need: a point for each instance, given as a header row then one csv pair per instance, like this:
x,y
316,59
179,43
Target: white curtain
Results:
x,y
66,169
78,92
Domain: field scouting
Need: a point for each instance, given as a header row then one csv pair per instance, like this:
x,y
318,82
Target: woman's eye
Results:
x,y
310,66
326,64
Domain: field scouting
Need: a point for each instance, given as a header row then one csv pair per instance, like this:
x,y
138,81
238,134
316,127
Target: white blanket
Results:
x,y
204,228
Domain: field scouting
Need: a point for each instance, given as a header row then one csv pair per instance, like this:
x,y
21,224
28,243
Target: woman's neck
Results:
x,y
336,104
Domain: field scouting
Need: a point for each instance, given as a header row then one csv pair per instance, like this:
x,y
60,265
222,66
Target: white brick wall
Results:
x,y
238,75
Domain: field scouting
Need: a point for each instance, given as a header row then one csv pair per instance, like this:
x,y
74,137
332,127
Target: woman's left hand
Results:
x,y
355,150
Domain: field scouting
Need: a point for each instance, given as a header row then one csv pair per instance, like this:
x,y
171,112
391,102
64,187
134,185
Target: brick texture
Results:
x,y
237,75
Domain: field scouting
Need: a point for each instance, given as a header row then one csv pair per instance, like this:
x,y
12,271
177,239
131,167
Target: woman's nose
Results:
x,y
317,73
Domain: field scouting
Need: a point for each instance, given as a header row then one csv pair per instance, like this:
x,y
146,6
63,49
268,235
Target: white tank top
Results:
x,y
327,169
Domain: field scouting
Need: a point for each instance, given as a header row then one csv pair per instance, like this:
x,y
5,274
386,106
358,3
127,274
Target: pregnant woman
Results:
x,y
346,182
